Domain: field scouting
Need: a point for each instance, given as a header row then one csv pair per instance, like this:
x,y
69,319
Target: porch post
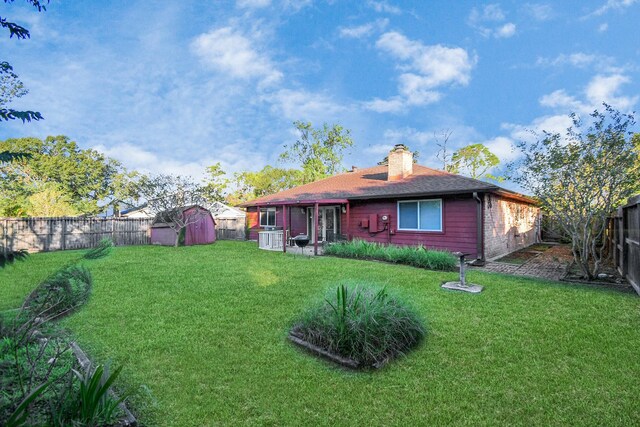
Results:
x,y
348,222
284,228
315,227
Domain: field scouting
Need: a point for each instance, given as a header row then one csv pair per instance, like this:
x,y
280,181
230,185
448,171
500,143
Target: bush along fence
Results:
x,y
62,233
626,241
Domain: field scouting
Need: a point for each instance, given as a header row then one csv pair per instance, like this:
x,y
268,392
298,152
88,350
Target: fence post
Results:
x,y
64,234
113,231
5,250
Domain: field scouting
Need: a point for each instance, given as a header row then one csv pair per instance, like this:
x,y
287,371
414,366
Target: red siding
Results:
x,y
253,221
458,217
296,221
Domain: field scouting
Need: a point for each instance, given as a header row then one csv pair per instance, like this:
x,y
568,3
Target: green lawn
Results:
x,y
201,333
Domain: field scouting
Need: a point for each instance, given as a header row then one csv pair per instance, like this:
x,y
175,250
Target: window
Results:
x,y
424,215
268,217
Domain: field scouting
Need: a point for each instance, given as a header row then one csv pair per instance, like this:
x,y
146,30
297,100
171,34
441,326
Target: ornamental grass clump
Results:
x,y
365,324
417,256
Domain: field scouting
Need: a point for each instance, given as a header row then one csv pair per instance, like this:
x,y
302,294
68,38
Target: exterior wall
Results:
x,y
164,236
253,221
509,225
201,232
296,220
459,228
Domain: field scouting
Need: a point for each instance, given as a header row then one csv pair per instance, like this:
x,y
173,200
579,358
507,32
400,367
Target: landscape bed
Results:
x,y
202,334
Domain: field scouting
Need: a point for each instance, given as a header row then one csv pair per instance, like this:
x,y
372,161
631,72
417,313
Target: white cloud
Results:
x,y
136,158
392,105
539,12
612,5
502,147
304,105
230,52
488,22
605,89
425,69
384,7
417,89
600,89
601,63
578,59
505,31
363,30
437,64
531,132
560,99
252,4
488,13
296,5
603,27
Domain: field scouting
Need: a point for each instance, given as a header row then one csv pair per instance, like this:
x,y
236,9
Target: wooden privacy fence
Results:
x,y
626,241
61,233
230,228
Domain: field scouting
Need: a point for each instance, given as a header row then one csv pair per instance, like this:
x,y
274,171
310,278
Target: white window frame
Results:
x,y
267,210
418,203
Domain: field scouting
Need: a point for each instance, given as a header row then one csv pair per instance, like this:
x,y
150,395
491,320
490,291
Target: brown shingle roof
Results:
x,y
372,183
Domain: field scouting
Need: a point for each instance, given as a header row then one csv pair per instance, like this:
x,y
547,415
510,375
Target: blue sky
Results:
x,y
174,86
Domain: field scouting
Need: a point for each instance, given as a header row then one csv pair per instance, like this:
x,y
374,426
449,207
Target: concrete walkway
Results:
x,y
551,264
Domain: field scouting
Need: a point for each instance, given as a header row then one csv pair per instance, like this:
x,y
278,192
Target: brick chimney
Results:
x,y
400,163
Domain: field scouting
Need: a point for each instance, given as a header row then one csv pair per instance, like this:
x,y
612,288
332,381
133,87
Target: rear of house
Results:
x,y
399,203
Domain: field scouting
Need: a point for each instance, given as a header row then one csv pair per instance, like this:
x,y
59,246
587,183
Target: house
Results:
x,y
141,211
221,211
400,203
198,227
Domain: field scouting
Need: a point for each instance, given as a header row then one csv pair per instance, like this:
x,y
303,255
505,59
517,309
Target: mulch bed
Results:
x,y
610,279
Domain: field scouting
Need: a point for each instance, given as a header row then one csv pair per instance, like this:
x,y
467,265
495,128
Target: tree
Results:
x,y
85,176
443,151
216,184
474,160
10,86
268,180
318,151
581,177
167,196
50,200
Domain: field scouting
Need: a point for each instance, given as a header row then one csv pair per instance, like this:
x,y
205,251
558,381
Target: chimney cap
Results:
x,y
354,168
400,147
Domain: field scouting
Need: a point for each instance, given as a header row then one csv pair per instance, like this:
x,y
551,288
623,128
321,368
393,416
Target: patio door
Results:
x,y
328,223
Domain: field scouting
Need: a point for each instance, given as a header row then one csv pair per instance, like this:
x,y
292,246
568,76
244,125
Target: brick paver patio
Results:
x,y
551,264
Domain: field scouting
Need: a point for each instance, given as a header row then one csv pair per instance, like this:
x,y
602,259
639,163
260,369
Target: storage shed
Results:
x,y
199,227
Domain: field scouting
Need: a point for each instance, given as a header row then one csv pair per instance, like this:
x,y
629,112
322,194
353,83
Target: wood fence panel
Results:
x,y
627,242
51,234
230,229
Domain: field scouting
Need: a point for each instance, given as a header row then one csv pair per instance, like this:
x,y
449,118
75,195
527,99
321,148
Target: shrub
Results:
x,y
60,293
417,256
365,324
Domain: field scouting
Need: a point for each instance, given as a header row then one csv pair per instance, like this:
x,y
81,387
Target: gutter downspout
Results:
x,y
479,231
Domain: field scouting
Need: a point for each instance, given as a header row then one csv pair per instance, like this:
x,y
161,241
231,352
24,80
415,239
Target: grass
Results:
x,y
201,333
409,255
